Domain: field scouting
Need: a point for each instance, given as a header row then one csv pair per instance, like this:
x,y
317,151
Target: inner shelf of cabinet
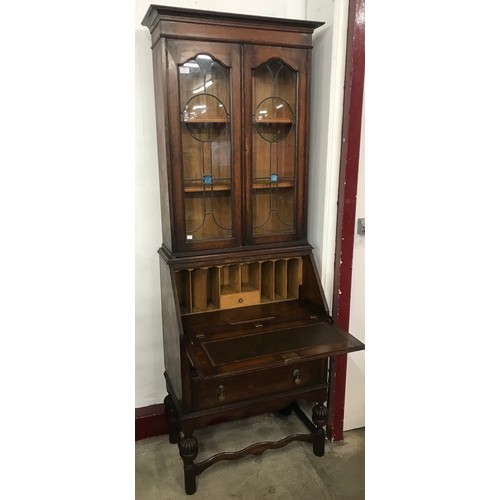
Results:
x,y
205,120
206,188
272,120
273,185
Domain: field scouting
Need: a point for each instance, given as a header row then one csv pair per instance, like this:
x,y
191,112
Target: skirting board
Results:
x,y
150,421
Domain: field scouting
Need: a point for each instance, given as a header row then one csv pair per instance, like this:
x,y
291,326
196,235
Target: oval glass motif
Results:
x,y
205,117
273,119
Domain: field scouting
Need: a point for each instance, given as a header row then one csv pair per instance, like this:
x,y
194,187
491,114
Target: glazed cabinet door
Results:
x,y
205,129
275,122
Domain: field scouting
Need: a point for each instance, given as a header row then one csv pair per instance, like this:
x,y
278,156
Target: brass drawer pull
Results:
x,y
296,376
220,393
240,300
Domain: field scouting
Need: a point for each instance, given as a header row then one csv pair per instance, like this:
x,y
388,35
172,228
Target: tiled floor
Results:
x,y
292,472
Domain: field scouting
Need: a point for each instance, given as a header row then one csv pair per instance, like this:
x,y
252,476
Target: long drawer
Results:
x,y
232,389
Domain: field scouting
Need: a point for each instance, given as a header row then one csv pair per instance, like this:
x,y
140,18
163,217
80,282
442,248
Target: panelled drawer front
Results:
x,y
241,299
218,392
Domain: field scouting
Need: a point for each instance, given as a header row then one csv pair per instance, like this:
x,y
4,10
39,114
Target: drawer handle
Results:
x,y
296,376
240,300
220,393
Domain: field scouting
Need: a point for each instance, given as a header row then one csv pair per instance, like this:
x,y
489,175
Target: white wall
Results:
x,y
354,416
326,119
150,386
328,64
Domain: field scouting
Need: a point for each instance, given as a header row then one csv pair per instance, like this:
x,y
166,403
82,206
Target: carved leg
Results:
x,y
173,420
188,450
319,417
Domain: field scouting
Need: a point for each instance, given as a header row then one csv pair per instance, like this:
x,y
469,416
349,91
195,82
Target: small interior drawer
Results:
x,y
225,390
241,299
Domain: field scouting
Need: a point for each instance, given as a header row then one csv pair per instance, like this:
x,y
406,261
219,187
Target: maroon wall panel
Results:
x,y
348,186
150,421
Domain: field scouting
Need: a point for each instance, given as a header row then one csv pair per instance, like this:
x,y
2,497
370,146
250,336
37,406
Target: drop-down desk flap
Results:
x,y
223,343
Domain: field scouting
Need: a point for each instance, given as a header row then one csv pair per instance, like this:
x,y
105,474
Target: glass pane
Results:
x,y
273,119
205,117
274,87
206,147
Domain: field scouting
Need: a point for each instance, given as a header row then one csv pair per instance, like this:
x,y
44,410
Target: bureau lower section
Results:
x,y
242,338
216,393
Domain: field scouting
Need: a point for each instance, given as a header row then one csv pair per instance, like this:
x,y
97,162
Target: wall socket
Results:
x,y
361,226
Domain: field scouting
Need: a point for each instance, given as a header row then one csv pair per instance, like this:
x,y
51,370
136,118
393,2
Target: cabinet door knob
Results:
x,y
220,393
240,300
296,377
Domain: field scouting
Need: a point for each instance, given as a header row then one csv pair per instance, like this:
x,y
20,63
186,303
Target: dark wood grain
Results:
x,y
256,384
254,449
172,329
315,339
217,26
163,134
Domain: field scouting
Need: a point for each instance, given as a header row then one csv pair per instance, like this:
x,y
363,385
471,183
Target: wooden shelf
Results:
x,y
273,120
279,184
207,187
206,120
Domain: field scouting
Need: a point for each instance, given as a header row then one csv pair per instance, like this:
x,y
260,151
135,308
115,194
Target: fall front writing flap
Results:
x,y
261,346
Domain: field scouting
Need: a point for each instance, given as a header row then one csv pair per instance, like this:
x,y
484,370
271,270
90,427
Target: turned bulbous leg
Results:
x,y
319,418
188,450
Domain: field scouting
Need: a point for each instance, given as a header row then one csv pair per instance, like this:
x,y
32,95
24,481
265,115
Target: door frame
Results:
x,y
346,212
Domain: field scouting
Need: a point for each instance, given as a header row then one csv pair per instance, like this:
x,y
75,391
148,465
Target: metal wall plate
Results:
x,y
361,226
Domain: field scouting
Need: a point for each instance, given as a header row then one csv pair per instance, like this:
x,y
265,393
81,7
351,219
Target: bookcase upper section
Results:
x,y
232,109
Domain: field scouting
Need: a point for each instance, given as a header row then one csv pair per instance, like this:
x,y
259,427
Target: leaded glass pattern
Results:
x,y
274,98
204,86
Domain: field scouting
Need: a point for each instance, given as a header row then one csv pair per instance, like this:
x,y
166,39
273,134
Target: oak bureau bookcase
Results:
x,y
245,323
